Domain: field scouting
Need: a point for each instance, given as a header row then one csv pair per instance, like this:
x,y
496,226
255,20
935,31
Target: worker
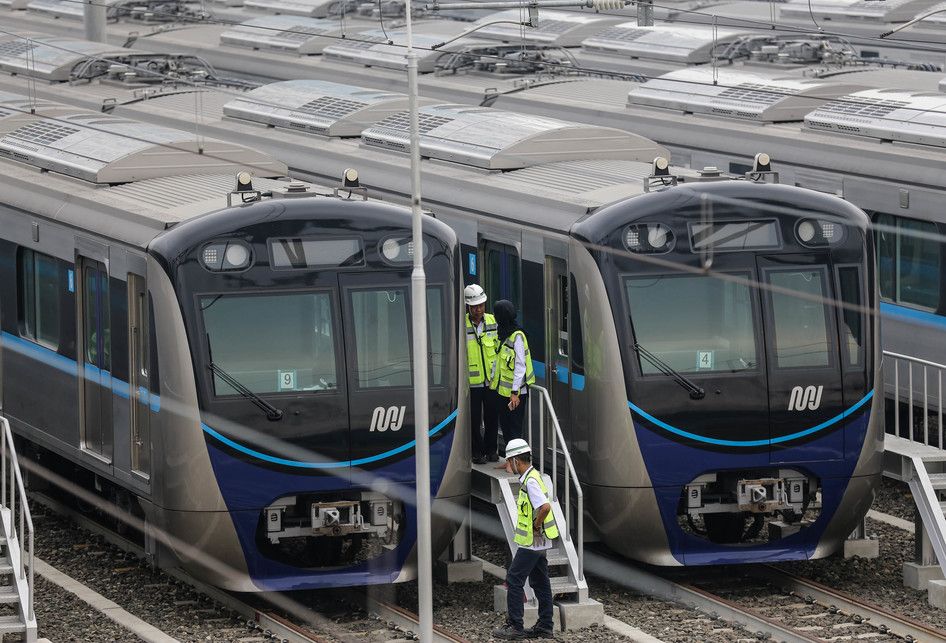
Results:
x,y
513,373
481,346
535,531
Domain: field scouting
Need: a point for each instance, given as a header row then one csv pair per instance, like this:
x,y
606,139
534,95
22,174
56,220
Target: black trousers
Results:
x,y
511,421
484,420
534,566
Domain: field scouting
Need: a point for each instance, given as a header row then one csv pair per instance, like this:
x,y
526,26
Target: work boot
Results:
x,y
509,632
536,632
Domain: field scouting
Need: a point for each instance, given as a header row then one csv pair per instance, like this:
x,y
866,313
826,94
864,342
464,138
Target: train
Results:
x,y
223,353
831,121
525,195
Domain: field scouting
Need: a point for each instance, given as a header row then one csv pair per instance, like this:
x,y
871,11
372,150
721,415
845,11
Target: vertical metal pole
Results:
x,y
94,20
926,413
910,397
419,327
939,407
896,397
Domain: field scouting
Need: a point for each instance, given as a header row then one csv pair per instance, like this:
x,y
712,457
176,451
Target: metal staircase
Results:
x,y
494,485
16,545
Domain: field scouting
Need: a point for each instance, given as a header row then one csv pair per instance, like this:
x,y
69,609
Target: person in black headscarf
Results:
x,y
513,373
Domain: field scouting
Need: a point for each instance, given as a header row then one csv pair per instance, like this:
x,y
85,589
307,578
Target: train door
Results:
x,y
376,316
139,376
557,338
802,357
501,273
94,352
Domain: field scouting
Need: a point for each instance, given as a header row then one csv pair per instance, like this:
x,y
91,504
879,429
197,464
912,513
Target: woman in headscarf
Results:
x,y
512,374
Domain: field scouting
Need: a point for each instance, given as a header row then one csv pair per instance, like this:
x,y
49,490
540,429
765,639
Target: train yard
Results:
x,y
238,258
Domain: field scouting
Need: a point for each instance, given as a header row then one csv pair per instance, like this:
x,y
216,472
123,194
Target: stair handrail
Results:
x,y
925,364
927,503
10,491
571,477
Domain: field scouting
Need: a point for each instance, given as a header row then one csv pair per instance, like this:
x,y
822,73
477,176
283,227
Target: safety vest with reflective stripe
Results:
x,y
504,373
481,350
524,523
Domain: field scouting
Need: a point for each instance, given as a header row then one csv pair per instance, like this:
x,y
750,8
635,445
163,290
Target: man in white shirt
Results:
x,y
535,531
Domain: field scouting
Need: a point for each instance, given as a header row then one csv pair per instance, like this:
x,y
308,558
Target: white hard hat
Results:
x,y
517,446
473,295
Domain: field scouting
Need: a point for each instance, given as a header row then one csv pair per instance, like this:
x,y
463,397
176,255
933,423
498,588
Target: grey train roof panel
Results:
x,y
309,8
14,4
16,109
498,140
559,28
737,94
287,34
63,8
320,107
370,49
873,10
105,149
937,17
890,115
49,57
691,44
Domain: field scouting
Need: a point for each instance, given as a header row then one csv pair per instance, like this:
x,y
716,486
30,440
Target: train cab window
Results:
x,y
694,324
382,346
40,289
801,326
272,343
908,257
501,277
852,317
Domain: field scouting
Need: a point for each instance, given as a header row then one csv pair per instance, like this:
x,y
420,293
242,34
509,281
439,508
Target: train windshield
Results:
x,y
693,323
272,343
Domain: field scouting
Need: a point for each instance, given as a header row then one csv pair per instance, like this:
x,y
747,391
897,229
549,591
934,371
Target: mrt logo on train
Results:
x,y
806,398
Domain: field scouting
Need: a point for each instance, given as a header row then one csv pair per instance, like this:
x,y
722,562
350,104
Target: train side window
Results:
x,y
801,322
382,346
139,354
502,274
908,256
562,294
852,328
435,336
40,288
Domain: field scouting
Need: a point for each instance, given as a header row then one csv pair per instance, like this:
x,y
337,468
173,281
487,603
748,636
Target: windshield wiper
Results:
x,y
272,413
696,392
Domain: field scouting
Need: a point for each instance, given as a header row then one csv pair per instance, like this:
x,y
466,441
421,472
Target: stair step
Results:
x,y
11,624
5,567
556,557
938,480
8,594
563,585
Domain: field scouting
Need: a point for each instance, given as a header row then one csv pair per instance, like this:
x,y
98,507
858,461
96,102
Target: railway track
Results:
x,y
266,621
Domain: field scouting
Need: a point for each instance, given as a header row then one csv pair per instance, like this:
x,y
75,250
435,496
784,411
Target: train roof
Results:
x,y
50,58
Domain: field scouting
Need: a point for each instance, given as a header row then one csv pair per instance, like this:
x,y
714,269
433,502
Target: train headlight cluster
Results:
x,y
400,250
818,232
222,256
650,238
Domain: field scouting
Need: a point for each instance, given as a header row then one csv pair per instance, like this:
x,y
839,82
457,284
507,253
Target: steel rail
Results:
x,y
265,621
873,615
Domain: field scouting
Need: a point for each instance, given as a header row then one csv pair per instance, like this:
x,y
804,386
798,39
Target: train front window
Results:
x,y
272,343
801,322
694,324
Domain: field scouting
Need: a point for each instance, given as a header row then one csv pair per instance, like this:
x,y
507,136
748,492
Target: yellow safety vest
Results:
x,y
481,350
505,370
524,523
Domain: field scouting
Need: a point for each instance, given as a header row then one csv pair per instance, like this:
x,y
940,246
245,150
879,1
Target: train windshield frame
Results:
x,y
659,303
279,359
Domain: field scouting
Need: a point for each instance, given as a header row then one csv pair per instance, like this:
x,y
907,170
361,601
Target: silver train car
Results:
x,y
518,191
821,122
227,360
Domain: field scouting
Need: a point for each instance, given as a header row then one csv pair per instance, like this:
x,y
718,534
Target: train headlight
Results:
x,y
819,232
806,231
650,238
224,256
400,250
